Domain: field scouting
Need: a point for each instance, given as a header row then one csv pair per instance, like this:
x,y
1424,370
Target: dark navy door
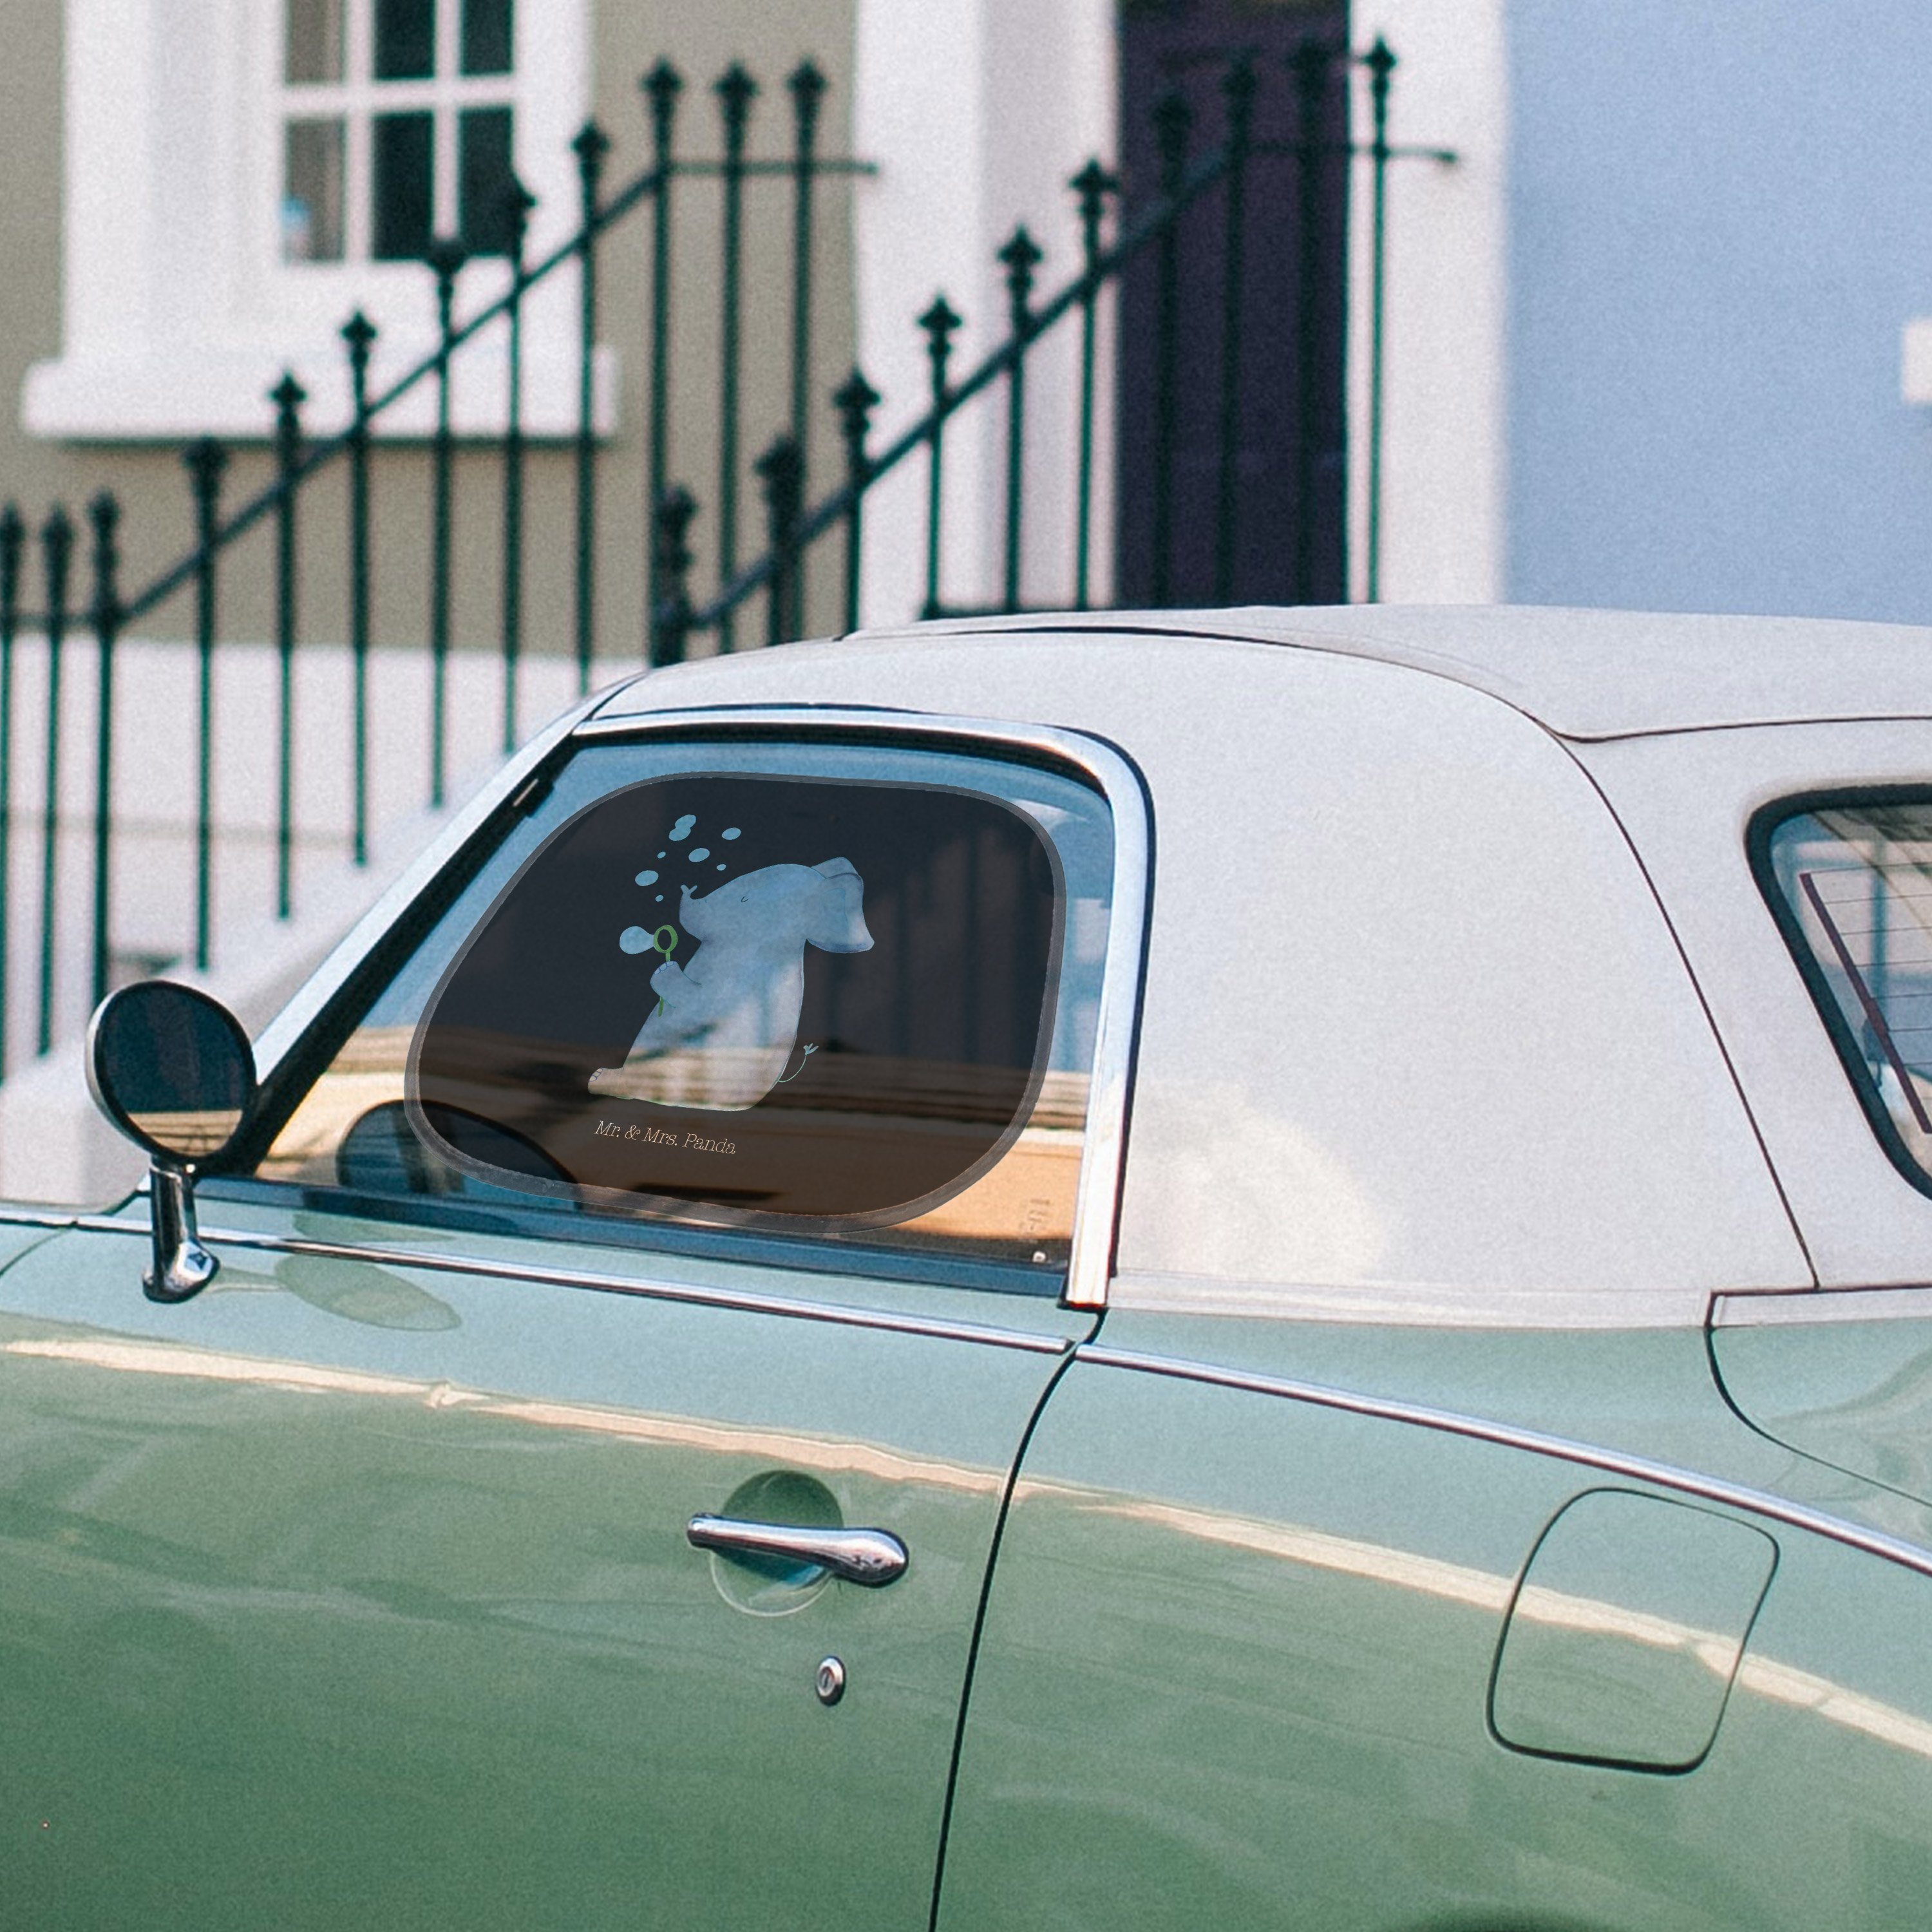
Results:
x,y
1247,504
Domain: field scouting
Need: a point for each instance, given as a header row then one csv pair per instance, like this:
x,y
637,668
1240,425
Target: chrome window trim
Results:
x,y
1606,1462
1097,1192
743,1300
1812,1307
283,1033
1096,1198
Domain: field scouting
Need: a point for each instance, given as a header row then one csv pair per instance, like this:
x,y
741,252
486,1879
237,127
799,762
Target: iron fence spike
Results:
x,y
445,257
736,90
661,87
590,145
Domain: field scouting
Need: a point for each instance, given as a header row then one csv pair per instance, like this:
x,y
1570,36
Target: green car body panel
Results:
x,y
1856,1393
350,1595
1237,1662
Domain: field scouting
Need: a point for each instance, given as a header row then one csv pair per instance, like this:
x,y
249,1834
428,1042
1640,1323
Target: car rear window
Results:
x,y
844,993
1851,881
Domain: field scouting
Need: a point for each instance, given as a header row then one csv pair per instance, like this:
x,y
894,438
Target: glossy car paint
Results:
x,y
351,1595
356,1591
1593,1666
1846,1378
1237,1659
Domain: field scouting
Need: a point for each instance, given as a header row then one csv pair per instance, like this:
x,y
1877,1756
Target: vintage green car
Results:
x,y
1257,1269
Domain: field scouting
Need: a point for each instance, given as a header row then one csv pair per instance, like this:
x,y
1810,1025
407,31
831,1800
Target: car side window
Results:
x,y
845,994
1851,882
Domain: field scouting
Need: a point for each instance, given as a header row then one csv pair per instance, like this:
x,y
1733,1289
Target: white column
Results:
x,y
978,113
114,180
1445,443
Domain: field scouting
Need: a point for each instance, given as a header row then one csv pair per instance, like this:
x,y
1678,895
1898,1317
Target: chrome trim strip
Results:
x,y
871,1558
1811,1307
112,1224
39,1217
746,1301
1097,1192
1507,1435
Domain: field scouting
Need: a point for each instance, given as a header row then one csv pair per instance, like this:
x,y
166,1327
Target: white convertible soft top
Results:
x,y
1417,1042
1584,674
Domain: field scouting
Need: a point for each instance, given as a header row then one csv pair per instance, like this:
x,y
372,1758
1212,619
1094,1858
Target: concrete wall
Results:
x,y
627,38
1719,222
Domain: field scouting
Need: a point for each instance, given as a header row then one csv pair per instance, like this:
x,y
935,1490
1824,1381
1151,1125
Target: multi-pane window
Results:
x,y
398,126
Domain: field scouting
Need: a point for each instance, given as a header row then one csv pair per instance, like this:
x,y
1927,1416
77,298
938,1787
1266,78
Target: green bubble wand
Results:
x,y
660,943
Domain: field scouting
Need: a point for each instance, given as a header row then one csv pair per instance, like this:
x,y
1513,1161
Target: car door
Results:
x,y
362,1588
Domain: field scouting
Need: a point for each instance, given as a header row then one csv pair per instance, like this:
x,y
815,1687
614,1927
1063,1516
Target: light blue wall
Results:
x,y
1720,213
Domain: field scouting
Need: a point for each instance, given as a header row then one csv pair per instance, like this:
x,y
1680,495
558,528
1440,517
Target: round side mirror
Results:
x,y
173,1069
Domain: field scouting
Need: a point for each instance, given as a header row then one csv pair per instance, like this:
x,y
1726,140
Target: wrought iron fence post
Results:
x,y
446,259
591,146
670,621
517,203
104,513
12,543
855,400
288,396
807,86
1020,256
1092,185
661,87
56,554
939,321
781,470
359,333
1173,119
1239,89
206,460
1309,64
297,457
1381,62
736,90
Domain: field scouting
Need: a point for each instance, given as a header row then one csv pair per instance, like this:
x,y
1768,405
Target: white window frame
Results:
x,y
179,312
358,97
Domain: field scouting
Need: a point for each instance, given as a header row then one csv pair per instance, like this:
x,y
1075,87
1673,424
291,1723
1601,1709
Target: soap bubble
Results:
x,y
731,831
647,878
698,852
681,829
634,939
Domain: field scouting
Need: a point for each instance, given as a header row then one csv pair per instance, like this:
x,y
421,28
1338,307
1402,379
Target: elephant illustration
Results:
x,y
725,1024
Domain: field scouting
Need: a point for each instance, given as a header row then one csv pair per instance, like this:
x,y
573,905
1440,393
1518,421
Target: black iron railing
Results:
x,y
794,527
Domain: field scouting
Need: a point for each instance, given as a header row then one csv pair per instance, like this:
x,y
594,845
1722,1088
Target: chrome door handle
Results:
x,y
872,1557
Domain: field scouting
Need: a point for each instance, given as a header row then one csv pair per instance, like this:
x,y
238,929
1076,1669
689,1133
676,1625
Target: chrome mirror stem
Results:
x,y
182,1267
